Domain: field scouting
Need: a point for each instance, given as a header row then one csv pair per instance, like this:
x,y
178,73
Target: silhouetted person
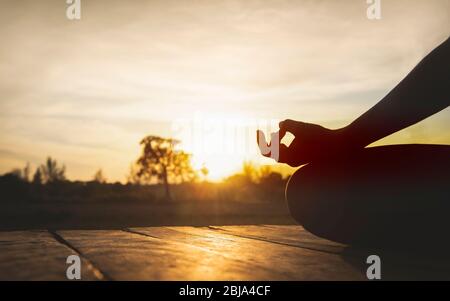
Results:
x,y
395,195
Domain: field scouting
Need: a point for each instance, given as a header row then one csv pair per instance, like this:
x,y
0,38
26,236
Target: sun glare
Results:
x,y
221,142
219,167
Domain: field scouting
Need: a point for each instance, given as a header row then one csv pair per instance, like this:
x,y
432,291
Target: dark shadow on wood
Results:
x,y
419,264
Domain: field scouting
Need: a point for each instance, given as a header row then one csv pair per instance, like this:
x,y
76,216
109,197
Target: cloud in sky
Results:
x,y
87,91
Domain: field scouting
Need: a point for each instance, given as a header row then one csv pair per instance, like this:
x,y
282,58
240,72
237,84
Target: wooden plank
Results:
x,y
266,252
283,261
129,256
290,235
397,264
37,255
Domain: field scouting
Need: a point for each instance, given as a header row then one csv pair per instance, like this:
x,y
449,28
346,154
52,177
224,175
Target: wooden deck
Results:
x,y
263,252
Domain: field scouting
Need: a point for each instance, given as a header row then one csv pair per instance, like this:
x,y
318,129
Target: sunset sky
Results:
x,y
86,92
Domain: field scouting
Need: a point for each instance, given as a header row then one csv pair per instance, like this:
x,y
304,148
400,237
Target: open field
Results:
x,y
115,215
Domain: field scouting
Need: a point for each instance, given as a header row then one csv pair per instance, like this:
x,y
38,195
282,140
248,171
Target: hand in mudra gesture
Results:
x,y
311,142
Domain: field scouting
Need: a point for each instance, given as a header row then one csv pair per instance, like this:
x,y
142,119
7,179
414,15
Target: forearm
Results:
x,y
422,93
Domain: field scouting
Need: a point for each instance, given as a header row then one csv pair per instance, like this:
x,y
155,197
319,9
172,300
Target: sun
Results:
x,y
220,142
219,166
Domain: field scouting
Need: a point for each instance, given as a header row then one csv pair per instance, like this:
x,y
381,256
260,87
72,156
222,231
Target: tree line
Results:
x,y
160,162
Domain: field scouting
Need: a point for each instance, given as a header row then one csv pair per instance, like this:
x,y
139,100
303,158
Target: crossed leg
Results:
x,y
393,196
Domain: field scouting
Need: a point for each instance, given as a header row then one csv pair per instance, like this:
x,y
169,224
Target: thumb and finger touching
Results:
x,y
284,155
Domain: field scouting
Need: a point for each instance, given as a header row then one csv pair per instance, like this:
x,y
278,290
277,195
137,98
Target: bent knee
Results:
x,y
317,202
302,194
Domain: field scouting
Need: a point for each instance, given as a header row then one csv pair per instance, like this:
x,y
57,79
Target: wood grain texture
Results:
x,y
37,255
129,256
282,262
289,235
262,252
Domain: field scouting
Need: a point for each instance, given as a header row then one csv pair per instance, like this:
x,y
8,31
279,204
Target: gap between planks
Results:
x,y
230,233
101,275
224,231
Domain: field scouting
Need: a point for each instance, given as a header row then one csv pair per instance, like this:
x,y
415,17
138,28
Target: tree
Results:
x,y
26,172
249,170
16,172
133,177
99,177
37,177
204,172
51,172
21,174
160,161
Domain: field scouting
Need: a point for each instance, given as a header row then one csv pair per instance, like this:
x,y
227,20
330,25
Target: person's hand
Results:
x,y
311,142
